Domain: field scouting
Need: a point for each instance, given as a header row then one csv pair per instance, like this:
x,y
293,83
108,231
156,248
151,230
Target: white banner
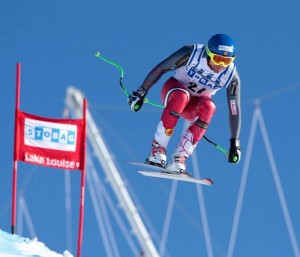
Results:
x,y
50,135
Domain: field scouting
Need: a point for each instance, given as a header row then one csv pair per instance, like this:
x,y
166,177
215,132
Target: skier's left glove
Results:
x,y
234,155
136,99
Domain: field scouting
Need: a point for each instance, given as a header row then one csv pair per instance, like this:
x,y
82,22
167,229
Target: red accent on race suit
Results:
x,y
187,106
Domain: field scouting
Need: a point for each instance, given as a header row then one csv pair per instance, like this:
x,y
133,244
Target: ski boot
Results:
x,y
177,166
157,156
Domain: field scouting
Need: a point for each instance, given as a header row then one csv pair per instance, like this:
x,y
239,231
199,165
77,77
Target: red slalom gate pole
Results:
x,y
15,162
82,187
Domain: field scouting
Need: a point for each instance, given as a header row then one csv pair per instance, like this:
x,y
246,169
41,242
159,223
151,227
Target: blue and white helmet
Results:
x,y
222,44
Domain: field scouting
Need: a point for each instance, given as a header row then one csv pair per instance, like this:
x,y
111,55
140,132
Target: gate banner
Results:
x,y
56,143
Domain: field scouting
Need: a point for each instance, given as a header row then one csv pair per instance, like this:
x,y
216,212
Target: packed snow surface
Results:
x,y
16,246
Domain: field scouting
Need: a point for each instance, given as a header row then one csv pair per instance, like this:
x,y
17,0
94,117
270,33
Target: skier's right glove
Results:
x,y
136,99
234,155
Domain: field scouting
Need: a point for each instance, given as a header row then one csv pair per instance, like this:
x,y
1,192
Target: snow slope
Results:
x,y
16,246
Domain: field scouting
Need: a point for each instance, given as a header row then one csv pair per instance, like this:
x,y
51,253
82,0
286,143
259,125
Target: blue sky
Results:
x,y
55,41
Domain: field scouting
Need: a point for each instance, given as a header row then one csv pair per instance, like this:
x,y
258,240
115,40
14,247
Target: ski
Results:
x,y
203,181
163,173
146,165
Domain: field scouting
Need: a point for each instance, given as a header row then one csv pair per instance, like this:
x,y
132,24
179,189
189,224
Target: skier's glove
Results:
x,y
234,155
136,99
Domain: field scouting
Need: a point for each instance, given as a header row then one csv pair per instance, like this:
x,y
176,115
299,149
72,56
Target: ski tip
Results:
x,y
97,53
208,181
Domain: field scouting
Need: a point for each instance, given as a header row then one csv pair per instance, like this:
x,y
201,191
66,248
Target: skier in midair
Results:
x,y
200,71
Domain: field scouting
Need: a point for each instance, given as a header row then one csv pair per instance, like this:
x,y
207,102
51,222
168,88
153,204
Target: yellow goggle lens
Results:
x,y
219,59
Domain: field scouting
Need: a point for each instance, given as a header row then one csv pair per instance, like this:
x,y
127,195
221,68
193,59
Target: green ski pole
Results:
x,y
220,148
97,54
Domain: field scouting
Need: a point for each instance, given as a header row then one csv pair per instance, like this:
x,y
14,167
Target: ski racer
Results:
x,y
200,72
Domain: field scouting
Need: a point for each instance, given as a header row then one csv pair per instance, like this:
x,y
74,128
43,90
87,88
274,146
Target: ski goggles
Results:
x,y
219,59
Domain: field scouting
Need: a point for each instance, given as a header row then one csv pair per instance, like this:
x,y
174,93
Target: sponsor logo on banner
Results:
x,y
51,162
50,135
